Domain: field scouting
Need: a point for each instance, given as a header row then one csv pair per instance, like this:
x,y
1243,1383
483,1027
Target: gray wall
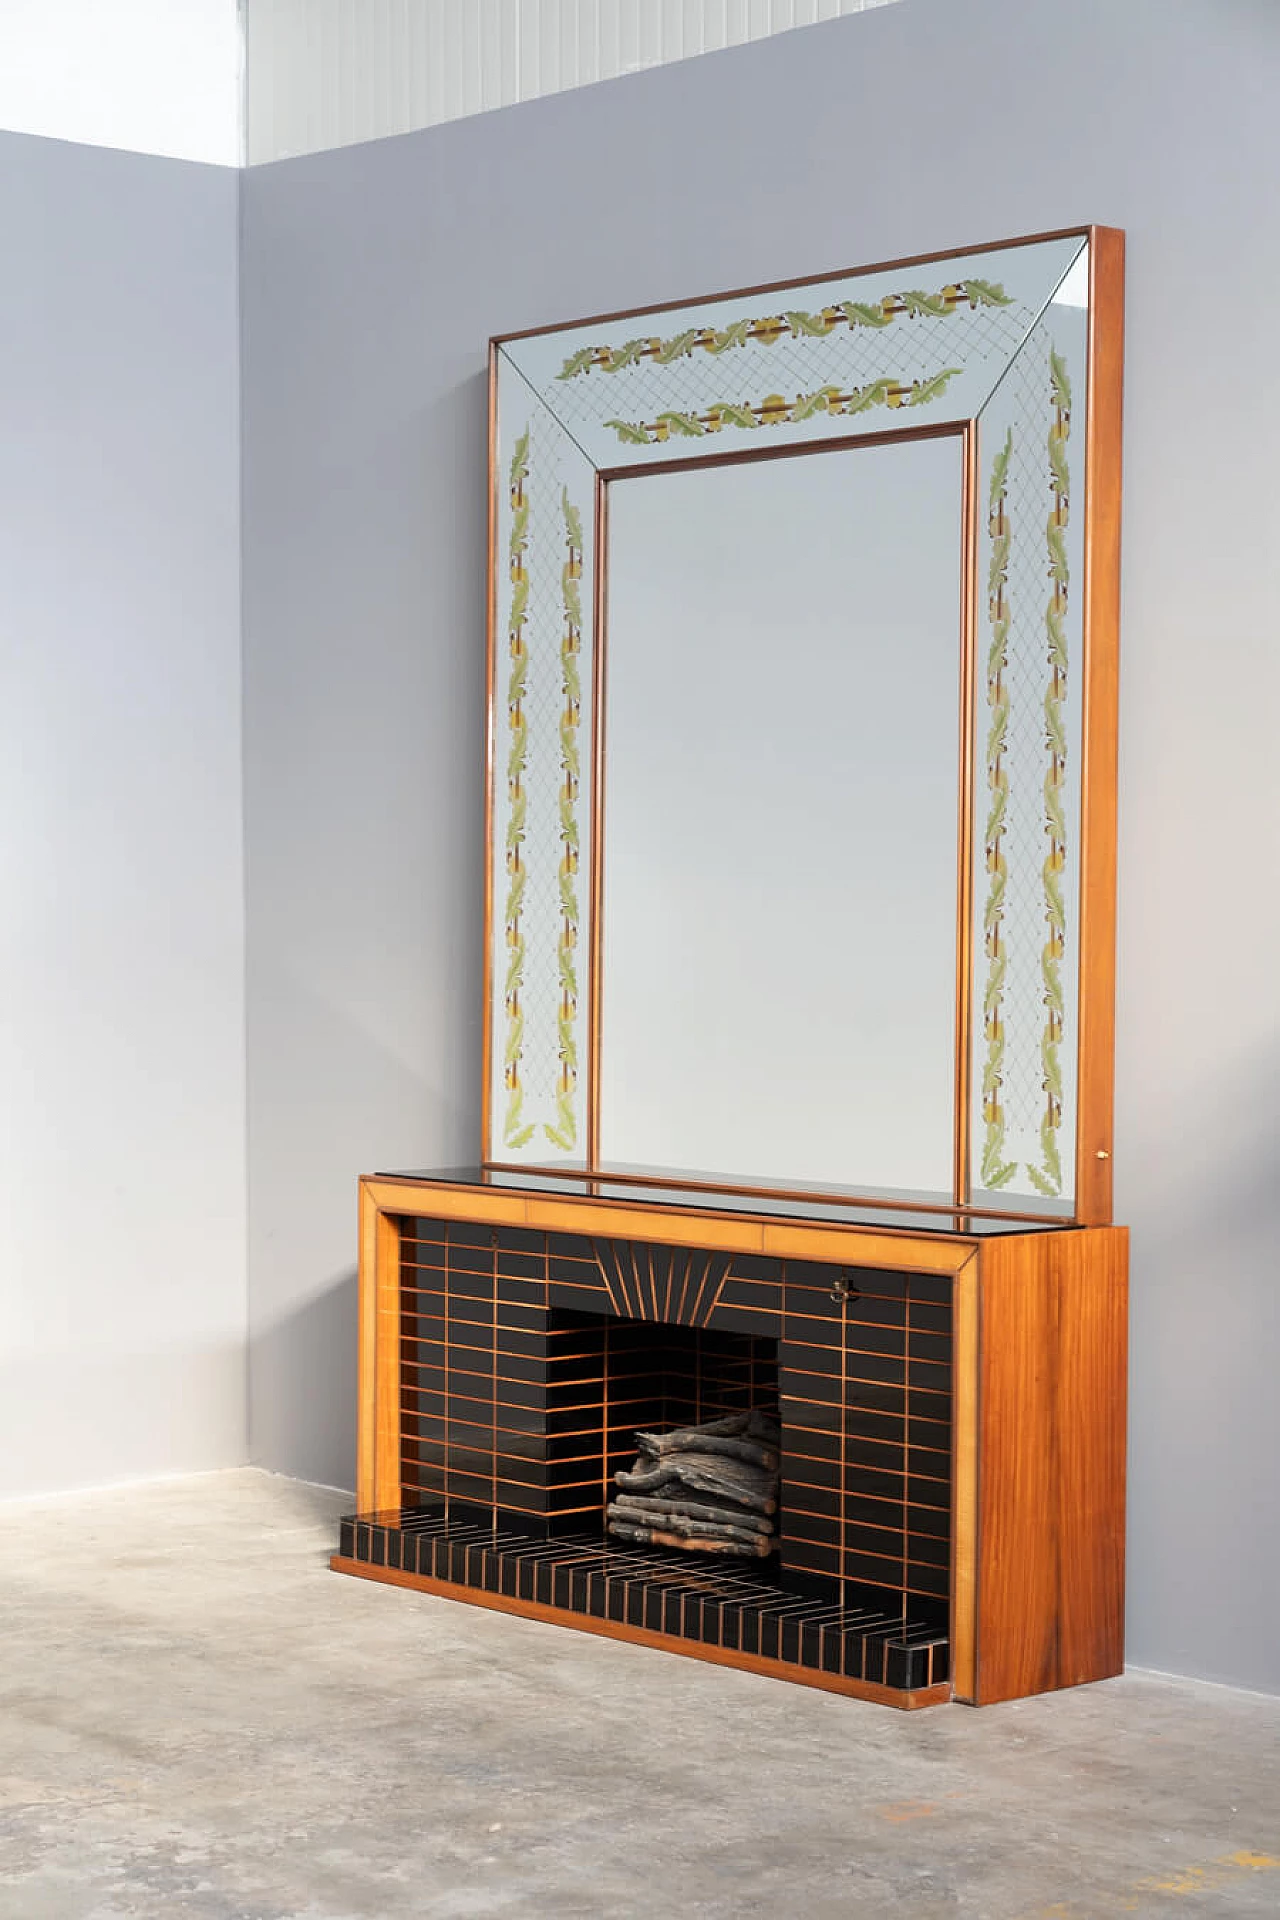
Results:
x,y
371,280
122,1213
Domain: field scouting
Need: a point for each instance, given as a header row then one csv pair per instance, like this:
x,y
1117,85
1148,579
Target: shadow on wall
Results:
x,y
1201,1195
310,1357
338,1090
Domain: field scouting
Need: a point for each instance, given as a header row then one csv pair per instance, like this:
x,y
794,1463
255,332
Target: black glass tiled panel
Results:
x,y
865,1638
529,1360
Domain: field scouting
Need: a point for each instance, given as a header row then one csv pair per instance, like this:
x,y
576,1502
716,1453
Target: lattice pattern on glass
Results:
x,y
779,370
1027,777
846,356
983,337
541,837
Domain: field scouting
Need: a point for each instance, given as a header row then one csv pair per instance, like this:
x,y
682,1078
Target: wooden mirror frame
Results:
x,y
1097,673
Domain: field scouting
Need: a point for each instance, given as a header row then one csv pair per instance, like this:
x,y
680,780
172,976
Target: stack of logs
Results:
x,y
709,1489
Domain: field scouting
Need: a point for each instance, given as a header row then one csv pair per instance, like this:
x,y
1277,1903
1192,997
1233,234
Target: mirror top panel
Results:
x,y
833,358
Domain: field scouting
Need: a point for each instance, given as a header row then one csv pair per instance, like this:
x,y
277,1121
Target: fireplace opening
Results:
x,y
611,1380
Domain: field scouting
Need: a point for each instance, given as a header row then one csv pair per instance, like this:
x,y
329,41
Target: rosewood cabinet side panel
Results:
x,y
378,1358
1051,1402
367,1353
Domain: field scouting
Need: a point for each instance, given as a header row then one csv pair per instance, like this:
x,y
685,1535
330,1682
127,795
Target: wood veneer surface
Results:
x,y
1040,1385
1051,1467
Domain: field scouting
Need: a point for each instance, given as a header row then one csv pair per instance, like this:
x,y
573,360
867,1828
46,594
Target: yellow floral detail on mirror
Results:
x,y
515,1132
775,410
1047,1178
794,324
996,1170
564,1133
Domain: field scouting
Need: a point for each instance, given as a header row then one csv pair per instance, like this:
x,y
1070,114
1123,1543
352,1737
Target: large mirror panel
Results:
x,y
803,610
781,772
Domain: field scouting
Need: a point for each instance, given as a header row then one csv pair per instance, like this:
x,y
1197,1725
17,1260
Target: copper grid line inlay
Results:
x,y
541,1400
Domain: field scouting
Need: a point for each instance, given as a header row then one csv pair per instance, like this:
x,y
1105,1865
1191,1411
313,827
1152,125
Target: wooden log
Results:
x,y
661,1446
656,1508
655,1537
722,1479
687,1529
753,1425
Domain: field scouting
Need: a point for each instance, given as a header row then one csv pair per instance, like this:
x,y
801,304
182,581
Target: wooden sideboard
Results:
x,y
952,1401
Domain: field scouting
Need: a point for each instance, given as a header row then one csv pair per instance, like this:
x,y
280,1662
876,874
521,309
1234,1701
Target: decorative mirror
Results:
x,y
802,712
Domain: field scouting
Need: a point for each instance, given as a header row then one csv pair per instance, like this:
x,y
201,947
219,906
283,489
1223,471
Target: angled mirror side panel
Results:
x,y
1028,764
540,842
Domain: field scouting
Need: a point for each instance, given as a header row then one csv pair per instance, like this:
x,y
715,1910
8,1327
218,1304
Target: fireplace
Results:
x,y
527,1362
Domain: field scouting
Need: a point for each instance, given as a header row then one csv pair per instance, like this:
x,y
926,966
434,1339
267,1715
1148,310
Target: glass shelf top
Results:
x,y
829,1209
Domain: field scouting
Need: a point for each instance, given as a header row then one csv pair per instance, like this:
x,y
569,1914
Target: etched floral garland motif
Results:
x,y
1047,1178
795,325
514,1133
565,1132
996,1170
776,411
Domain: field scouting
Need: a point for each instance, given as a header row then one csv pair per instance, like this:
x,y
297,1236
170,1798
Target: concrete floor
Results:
x,y
196,1717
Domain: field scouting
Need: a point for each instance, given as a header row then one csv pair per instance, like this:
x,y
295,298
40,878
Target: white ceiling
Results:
x,y
327,73
169,76
155,76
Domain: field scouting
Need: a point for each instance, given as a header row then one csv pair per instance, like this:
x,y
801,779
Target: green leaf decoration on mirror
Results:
x,y
810,403
997,1171
576,363
564,1133
515,961
677,348
572,522
1047,1177
627,355
925,391
519,531
1057,542
813,326
520,594
932,304
775,410
730,415
913,304
515,1033
736,335
573,607
858,314
636,436
1000,478
878,394
514,1132
680,423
